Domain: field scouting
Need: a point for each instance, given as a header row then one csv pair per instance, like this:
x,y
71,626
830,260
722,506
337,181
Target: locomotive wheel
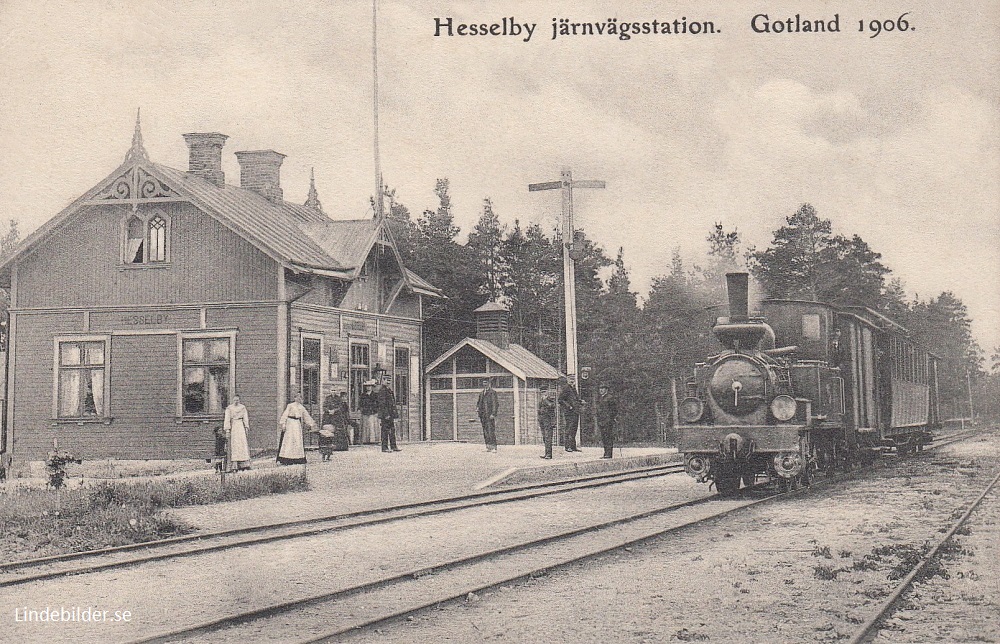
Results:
x,y
727,486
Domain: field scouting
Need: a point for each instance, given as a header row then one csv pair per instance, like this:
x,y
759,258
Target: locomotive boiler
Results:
x,y
806,386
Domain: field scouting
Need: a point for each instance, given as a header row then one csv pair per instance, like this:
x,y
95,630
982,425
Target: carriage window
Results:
x,y
810,326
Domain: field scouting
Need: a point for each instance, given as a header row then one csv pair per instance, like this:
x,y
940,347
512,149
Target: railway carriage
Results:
x,y
807,386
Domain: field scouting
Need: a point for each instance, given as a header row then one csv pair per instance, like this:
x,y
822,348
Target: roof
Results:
x,y
515,358
300,236
491,306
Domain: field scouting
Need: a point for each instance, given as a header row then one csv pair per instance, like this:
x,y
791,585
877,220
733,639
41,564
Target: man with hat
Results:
x,y
606,413
569,403
368,406
488,406
547,417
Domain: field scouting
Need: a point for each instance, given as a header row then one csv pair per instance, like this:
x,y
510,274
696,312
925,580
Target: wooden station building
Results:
x,y
455,379
141,309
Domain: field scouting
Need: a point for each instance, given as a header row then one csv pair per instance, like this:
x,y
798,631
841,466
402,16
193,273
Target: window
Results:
x,y
811,326
81,378
401,381
360,371
145,239
206,371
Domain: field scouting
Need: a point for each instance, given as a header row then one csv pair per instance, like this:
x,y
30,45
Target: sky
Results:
x,y
895,137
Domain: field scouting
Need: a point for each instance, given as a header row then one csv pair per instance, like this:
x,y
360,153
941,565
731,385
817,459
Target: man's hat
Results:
x,y
369,383
604,385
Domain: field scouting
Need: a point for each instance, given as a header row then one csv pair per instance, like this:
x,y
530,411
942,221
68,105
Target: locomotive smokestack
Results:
x,y
738,286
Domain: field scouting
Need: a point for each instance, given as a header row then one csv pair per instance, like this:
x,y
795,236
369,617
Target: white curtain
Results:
x,y
97,387
69,393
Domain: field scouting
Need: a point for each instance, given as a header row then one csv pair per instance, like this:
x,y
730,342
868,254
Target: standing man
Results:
x,y
570,403
547,418
606,413
386,414
488,406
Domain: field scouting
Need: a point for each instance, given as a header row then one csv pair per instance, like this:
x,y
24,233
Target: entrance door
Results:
x,y
312,350
401,385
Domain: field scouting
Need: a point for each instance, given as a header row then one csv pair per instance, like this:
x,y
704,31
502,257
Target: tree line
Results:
x,y
638,347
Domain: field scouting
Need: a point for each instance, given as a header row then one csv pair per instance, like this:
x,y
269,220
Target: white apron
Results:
x,y
292,421
236,424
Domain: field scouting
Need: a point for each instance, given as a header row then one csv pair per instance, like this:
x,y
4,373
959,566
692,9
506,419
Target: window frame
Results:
x,y
354,390
57,341
146,218
204,335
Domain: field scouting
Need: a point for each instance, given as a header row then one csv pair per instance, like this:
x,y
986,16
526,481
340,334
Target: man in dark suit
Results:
x,y
488,406
547,417
386,403
607,413
570,404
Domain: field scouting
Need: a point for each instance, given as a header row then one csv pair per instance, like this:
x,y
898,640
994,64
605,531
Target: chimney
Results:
x,y
205,155
493,324
739,308
260,171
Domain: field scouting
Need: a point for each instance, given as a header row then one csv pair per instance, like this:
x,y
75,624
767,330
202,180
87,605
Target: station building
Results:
x,y
454,381
141,309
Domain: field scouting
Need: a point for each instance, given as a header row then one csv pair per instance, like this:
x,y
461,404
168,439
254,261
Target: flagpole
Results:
x,y
379,207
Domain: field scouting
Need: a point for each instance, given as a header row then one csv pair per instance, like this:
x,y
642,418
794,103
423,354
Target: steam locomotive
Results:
x,y
813,387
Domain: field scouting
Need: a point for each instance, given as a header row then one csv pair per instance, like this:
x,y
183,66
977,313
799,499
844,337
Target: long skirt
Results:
x,y
370,430
291,450
239,448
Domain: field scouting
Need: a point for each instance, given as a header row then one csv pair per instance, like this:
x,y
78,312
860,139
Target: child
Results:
x,y
220,449
326,442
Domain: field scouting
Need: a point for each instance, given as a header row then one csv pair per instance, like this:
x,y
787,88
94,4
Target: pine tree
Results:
x,y
485,243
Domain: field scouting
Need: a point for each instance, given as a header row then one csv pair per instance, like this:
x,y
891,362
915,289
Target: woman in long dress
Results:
x,y
294,418
237,426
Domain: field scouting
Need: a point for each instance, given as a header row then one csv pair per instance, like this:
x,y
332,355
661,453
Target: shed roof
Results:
x,y
515,358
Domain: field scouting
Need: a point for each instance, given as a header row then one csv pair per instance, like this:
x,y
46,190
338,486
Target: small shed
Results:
x,y
454,382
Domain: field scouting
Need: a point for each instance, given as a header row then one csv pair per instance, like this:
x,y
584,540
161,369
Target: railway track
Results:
x,y
867,631
332,615
30,570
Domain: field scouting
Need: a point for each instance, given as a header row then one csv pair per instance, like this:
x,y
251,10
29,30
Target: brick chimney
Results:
x,y
493,324
260,171
205,155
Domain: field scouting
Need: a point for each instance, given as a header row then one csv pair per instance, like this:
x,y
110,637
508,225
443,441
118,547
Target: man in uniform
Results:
x,y
607,413
488,406
386,403
547,418
569,403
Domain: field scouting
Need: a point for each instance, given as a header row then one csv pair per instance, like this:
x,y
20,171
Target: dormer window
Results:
x,y
145,239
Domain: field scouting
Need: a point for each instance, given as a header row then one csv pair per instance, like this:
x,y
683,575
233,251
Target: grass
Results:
x,y
38,523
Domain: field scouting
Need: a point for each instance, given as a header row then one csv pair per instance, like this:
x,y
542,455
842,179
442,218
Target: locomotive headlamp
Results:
x,y
691,410
783,407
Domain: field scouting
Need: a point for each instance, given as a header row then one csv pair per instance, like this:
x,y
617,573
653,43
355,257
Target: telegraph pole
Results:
x,y
566,184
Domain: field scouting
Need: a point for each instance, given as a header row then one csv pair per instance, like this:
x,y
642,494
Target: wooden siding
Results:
x,y
142,393
338,328
442,418
79,264
31,431
256,367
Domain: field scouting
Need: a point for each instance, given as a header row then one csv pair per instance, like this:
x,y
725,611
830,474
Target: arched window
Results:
x,y
145,239
134,251
157,239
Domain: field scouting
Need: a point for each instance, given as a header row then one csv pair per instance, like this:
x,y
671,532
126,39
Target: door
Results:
x,y
401,386
312,350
